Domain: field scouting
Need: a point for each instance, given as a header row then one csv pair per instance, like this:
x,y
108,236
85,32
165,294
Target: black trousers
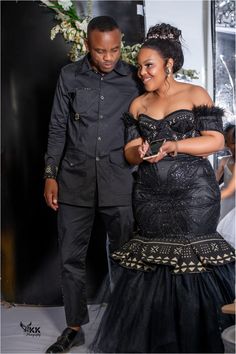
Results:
x,y
74,230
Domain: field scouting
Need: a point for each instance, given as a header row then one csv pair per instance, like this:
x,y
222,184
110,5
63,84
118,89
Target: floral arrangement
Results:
x,y
74,29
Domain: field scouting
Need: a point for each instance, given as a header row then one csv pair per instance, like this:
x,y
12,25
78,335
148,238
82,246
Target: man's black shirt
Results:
x,y
86,134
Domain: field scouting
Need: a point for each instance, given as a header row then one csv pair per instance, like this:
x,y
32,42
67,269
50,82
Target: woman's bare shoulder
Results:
x,y
136,105
199,96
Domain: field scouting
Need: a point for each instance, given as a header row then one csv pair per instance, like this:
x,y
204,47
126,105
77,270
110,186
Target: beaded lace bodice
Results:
x,y
177,125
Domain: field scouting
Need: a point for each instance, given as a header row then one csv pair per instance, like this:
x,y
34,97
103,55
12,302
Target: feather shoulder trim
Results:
x,y
204,111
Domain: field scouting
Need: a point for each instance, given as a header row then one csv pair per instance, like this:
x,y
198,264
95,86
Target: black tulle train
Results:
x,y
171,314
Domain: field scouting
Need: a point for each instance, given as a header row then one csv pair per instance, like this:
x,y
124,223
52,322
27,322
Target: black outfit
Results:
x,y
178,270
85,155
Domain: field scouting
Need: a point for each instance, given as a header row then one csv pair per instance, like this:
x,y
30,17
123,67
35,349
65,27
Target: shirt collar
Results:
x,y
84,65
122,68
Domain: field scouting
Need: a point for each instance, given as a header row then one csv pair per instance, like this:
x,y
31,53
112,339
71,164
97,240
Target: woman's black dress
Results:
x,y
178,271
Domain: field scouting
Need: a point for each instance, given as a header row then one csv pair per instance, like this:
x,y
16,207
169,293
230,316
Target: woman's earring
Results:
x,y
168,71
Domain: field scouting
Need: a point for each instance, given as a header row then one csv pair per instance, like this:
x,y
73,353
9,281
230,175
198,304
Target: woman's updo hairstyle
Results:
x,y
165,39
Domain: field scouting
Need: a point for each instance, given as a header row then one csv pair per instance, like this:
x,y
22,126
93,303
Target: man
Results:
x,y
85,168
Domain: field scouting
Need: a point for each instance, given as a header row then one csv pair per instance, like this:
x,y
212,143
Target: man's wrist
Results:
x,y
50,172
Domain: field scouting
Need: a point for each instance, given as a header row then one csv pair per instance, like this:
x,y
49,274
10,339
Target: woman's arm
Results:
x,y
206,144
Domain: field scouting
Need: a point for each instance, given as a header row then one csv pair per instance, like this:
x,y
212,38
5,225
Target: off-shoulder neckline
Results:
x,y
166,116
197,111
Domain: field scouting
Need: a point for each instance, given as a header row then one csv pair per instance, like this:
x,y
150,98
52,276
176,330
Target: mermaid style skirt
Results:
x,y
177,270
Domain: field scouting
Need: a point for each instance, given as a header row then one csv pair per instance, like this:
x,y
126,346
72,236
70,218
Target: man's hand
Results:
x,y
51,192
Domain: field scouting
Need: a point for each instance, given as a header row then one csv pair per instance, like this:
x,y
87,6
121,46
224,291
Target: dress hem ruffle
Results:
x,y
186,253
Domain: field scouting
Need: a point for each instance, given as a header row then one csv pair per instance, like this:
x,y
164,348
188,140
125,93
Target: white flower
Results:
x,y
54,31
84,25
77,24
65,25
66,4
71,34
61,17
77,37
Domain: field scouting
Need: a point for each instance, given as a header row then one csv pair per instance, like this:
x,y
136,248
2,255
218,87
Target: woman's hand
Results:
x,y
142,149
169,147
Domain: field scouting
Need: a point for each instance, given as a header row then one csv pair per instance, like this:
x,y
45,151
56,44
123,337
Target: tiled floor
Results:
x,y
31,329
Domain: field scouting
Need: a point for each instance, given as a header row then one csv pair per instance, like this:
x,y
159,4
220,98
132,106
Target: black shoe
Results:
x,y
68,339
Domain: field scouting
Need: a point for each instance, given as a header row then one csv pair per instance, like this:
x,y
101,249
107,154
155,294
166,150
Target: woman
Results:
x,y
178,271
226,171
226,226
227,168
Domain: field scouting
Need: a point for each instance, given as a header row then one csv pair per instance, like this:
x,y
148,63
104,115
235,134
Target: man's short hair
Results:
x,y
102,24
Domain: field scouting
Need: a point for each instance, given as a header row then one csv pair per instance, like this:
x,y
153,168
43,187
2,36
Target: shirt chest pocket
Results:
x,y
84,102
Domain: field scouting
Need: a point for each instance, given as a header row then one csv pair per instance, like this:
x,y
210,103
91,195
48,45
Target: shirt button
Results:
x,y
97,158
101,116
102,97
101,78
99,138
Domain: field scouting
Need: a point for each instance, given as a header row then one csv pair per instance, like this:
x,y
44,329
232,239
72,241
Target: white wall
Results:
x,y
192,17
